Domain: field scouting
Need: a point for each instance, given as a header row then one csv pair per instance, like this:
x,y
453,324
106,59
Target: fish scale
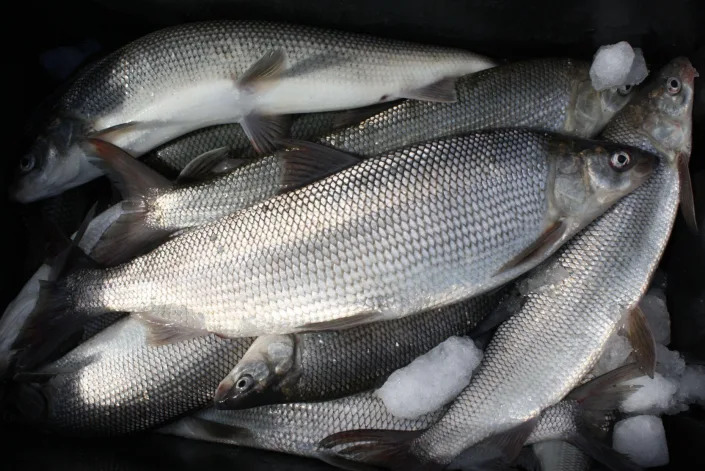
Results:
x,y
337,364
176,57
191,76
116,383
296,428
270,255
500,97
537,356
617,254
308,259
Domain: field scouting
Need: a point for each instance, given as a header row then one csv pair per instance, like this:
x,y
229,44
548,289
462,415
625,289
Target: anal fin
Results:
x,y
211,163
164,332
501,448
304,163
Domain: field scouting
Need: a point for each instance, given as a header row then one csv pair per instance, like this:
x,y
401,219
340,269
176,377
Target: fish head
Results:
x,y
659,119
260,376
54,163
590,109
590,176
662,112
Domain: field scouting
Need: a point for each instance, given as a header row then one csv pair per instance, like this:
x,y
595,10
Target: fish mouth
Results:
x,y
228,398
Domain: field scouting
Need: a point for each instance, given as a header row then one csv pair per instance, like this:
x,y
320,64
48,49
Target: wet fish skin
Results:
x,y
558,455
328,365
170,158
500,97
381,266
116,383
503,96
616,254
293,428
190,76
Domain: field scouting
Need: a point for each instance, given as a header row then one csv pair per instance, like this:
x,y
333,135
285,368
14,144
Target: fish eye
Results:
x,y
26,163
620,160
244,383
624,90
673,85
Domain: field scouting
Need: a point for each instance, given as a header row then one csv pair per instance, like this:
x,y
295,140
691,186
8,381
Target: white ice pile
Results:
x,y
643,439
431,380
617,65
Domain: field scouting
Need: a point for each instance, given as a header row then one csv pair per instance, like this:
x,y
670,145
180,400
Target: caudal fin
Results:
x,y
597,398
130,235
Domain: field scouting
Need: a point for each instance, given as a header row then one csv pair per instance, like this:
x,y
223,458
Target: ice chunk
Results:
x,y
654,307
614,355
611,65
668,362
643,439
431,380
654,397
638,72
692,385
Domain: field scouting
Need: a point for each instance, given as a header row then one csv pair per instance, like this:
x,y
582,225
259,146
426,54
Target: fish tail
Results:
x,y
386,448
130,235
596,399
52,328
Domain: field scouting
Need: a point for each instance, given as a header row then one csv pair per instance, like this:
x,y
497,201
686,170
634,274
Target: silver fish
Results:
x,y
300,428
116,383
294,428
537,356
191,76
327,365
500,97
171,158
394,235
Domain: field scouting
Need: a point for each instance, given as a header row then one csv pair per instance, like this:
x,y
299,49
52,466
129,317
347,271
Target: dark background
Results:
x,y
502,29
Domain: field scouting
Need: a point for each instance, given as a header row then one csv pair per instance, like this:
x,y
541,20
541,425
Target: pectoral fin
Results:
x,y
538,250
211,163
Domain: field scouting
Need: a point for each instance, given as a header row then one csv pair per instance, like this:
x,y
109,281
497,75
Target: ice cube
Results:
x,y
431,380
643,439
611,65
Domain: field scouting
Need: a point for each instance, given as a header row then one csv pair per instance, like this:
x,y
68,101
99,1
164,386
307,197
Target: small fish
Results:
x,y
191,76
391,236
537,356
327,365
500,97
